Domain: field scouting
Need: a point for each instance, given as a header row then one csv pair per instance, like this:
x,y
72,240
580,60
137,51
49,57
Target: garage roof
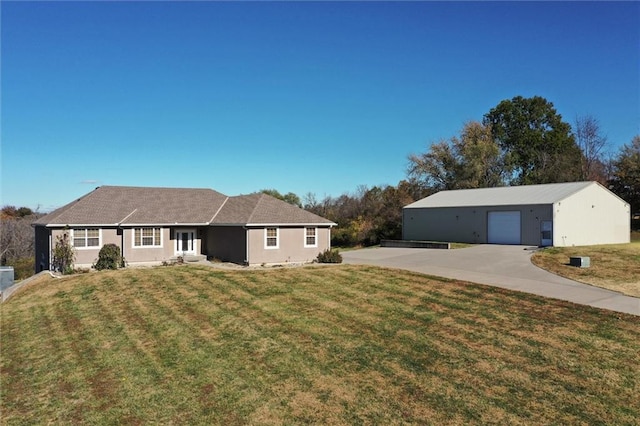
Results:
x,y
502,196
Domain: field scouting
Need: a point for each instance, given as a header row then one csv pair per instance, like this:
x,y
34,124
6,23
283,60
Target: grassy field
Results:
x,y
615,266
325,345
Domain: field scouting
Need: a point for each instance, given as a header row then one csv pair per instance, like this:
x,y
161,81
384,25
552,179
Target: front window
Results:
x,y
310,237
86,238
271,238
147,237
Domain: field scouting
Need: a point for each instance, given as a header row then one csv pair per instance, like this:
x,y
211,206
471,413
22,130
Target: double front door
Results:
x,y
185,241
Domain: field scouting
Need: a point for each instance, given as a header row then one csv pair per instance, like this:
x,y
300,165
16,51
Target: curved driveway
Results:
x,y
501,266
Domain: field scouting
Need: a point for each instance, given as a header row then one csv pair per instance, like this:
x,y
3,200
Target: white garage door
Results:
x,y
503,228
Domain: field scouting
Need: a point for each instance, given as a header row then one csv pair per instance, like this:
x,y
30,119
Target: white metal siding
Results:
x,y
592,216
503,227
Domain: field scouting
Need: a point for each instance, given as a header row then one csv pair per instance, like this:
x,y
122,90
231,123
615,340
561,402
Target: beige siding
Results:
x,y
469,224
290,249
149,255
85,257
591,216
227,243
233,244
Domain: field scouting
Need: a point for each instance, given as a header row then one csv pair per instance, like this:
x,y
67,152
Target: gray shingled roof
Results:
x,y
122,205
263,209
508,195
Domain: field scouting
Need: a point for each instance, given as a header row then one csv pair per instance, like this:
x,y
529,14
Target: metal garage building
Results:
x,y
558,214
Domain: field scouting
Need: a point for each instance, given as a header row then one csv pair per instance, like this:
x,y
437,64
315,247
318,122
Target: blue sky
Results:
x,y
301,97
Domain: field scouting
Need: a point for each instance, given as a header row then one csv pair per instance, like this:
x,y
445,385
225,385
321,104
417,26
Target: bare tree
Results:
x,y
592,143
437,168
310,201
17,239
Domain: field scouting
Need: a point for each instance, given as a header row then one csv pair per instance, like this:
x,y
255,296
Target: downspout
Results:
x,y
246,245
122,243
50,250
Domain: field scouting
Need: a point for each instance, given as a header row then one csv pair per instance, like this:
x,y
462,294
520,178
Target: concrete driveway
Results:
x,y
501,266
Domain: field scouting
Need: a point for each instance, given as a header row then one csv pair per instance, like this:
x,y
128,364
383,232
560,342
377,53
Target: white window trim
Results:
x,y
194,241
85,239
277,246
133,238
315,236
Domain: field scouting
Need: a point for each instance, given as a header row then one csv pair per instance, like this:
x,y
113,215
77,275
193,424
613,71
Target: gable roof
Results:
x,y
263,209
129,206
501,196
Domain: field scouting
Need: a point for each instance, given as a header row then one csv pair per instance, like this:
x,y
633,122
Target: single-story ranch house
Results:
x,y
154,225
559,214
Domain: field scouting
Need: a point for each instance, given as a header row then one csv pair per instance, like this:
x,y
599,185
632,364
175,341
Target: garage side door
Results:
x,y
503,228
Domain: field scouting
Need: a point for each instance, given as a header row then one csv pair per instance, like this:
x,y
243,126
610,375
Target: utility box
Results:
x,y
580,261
6,277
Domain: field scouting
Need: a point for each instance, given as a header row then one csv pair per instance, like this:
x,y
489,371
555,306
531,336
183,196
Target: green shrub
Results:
x,y
344,236
109,257
330,256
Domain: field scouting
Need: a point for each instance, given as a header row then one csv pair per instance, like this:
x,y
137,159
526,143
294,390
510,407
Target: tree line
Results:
x,y
17,239
521,141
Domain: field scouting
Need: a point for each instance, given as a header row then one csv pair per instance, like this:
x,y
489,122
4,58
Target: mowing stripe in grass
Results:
x,y
173,370
339,345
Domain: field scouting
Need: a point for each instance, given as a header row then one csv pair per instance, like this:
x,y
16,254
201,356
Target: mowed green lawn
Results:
x,y
326,345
